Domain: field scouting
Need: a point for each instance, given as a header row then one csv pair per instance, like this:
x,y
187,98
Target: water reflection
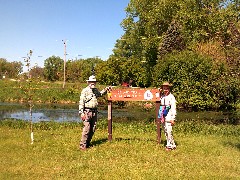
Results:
x,y
69,113
39,113
45,115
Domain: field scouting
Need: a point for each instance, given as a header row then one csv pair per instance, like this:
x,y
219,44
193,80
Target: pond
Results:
x,y
69,113
50,112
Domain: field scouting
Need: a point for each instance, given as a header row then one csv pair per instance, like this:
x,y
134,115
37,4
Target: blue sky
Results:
x,y
90,28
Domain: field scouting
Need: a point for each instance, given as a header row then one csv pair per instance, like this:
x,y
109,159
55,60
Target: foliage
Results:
x,y
76,70
158,27
198,82
37,73
117,71
53,68
232,46
158,30
172,40
109,72
10,69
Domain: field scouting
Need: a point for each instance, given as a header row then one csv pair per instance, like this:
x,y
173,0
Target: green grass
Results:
x,y
41,92
132,154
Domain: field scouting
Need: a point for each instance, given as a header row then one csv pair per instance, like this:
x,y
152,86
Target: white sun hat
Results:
x,y
92,79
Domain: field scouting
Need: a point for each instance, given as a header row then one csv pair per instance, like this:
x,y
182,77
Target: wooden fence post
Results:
x,y
109,120
158,122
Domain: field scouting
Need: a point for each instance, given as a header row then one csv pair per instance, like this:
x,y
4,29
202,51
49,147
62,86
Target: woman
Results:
x,y
167,113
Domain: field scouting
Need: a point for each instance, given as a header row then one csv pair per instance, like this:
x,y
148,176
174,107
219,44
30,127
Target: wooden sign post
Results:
x,y
132,94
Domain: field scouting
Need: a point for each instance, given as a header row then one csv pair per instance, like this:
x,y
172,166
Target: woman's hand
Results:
x,y
109,88
172,122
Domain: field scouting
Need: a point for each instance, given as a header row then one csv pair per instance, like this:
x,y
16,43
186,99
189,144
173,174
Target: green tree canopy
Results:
x,y
53,68
10,69
203,34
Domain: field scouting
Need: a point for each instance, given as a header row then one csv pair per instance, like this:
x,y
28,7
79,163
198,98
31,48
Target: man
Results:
x,y
167,113
88,110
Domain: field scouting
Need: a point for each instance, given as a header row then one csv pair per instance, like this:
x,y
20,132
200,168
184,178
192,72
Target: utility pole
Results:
x,y
64,65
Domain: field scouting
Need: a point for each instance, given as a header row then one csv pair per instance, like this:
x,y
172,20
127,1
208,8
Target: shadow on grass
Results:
x,y
104,140
164,142
234,145
133,139
99,141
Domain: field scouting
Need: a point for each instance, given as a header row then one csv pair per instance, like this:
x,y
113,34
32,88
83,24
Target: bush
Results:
x,y
198,82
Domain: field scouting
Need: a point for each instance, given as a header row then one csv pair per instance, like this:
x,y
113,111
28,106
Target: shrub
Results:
x,y
198,82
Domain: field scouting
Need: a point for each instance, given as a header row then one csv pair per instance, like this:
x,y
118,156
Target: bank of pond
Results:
x,y
69,113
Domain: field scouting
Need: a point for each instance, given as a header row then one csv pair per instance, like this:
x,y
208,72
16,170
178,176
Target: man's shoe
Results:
x,y
89,145
170,149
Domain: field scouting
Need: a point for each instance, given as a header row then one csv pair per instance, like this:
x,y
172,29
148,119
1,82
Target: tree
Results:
x,y
74,70
144,25
53,68
37,72
109,72
199,83
10,69
172,40
81,69
15,68
3,67
202,33
159,27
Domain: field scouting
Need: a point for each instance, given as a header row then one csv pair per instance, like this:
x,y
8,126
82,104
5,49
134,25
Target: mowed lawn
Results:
x,y
132,154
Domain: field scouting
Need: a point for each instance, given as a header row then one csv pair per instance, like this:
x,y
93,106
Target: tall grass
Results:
x,y
42,92
203,152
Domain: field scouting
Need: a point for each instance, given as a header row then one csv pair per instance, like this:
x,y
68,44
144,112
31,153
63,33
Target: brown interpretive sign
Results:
x,y
134,94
